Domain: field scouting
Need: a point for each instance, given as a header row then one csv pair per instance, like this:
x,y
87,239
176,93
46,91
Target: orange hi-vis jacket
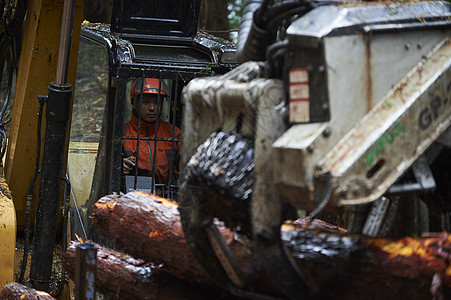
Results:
x,y
146,148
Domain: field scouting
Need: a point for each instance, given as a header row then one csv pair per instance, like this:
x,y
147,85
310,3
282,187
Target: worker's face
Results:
x,y
149,108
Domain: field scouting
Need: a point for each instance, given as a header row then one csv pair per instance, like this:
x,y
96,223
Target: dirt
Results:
x,y
57,280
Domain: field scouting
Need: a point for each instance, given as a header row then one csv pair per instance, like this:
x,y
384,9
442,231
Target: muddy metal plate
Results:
x,y
331,20
385,143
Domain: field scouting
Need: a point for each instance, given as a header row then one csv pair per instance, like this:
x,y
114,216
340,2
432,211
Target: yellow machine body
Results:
x,y
37,68
7,234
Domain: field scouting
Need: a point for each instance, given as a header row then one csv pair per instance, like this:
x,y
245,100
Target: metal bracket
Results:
x,y
423,175
376,217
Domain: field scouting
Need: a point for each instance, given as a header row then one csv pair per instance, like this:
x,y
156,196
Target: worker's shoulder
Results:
x,y
168,126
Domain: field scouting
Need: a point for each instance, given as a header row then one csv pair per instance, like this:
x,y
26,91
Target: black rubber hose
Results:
x,y
287,14
274,56
30,193
253,37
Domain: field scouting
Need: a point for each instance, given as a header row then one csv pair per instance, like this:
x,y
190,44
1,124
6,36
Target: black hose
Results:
x,y
274,56
248,34
281,8
23,267
259,23
286,14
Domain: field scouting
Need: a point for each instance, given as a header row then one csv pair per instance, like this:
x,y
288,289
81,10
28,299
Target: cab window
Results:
x,y
152,136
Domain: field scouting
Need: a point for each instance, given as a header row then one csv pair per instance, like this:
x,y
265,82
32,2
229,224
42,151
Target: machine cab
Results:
x,y
114,64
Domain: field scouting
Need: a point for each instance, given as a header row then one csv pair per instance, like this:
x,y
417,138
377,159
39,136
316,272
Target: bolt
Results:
x,y
343,193
326,132
325,106
407,46
321,68
310,148
356,191
419,45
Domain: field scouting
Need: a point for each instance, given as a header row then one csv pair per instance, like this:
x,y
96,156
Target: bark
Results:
x,y
342,266
148,227
16,291
143,227
121,276
334,264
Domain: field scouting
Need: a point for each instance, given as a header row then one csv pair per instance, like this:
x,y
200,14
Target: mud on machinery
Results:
x,y
343,109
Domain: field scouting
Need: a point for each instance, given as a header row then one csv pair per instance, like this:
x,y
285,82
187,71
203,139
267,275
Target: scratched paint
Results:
x,y
382,143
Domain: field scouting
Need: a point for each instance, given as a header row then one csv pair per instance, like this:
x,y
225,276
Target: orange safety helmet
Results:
x,y
150,86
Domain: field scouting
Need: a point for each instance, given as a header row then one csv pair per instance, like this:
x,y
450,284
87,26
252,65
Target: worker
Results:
x,y
167,151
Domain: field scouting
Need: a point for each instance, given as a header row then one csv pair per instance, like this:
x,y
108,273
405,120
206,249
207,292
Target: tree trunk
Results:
x,y
121,276
16,291
149,228
214,18
354,267
334,264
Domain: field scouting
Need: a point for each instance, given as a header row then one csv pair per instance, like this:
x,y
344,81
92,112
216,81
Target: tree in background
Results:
x,y
221,17
97,11
214,18
218,17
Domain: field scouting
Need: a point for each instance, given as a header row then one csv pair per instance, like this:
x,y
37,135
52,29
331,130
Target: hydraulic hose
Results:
x,y
274,56
253,37
259,23
23,267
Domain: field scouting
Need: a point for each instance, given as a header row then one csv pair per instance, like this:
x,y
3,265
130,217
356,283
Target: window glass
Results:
x,y
90,96
90,92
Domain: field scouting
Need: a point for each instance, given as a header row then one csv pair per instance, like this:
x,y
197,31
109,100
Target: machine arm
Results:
x,y
393,135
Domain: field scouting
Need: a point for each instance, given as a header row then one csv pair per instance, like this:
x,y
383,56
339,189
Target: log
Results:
x,y
16,291
148,227
121,276
131,221
355,267
335,264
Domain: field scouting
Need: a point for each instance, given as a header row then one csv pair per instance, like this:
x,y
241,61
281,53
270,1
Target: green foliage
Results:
x,y
235,8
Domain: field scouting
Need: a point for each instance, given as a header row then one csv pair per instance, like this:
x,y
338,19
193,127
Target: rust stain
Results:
x,y
369,79
341,158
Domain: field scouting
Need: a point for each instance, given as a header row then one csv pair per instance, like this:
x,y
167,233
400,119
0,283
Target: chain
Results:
x,y
224,162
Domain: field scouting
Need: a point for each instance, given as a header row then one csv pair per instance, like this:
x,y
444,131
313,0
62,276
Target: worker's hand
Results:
x,y
128,164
